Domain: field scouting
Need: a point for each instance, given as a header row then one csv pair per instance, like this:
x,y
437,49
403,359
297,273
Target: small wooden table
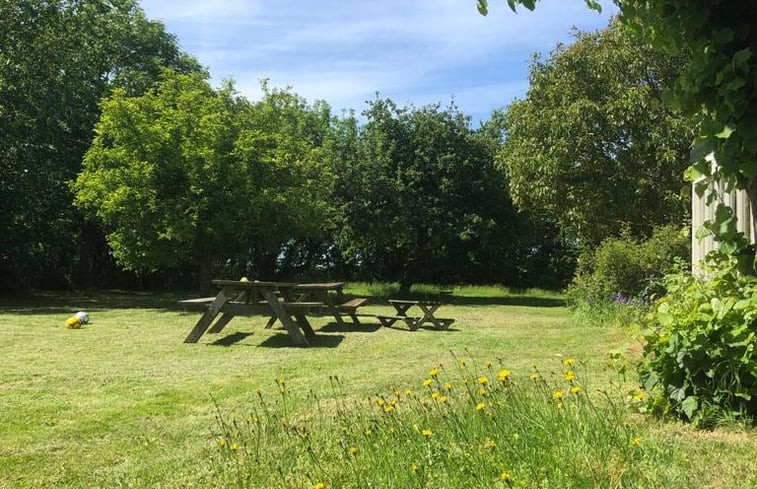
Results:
x,y
243,298
428,308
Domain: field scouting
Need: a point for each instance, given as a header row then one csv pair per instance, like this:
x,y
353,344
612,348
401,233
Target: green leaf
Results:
x,y
689,406
482,6
725,133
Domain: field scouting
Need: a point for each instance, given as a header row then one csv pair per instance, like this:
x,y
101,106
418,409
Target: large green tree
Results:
x,y
592,147
186,174
58,58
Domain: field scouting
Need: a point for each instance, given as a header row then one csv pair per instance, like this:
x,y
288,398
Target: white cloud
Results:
x,y
344,52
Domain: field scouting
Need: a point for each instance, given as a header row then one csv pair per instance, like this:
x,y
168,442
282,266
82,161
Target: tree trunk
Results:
x,y
204,268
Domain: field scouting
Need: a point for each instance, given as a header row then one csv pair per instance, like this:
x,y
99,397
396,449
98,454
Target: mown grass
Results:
x,y
124,403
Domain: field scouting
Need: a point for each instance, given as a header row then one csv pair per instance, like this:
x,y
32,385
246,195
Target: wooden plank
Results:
x,y
353,303
284,317
221,323
207,317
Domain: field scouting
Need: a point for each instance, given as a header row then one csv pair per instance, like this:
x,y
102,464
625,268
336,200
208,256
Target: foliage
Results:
x,y
58,59
592,147
187,174
699,355
420,199
487,427
627,270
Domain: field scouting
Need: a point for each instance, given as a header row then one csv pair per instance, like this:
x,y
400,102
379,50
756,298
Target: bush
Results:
x,y
624,270
699,355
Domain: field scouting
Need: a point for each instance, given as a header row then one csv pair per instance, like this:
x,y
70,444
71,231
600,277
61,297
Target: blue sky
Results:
x,y
341,51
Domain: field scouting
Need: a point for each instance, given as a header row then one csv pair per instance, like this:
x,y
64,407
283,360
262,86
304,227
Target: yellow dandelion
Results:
x,y
575,390
319,485
393,402
534,377
570,376
482,391
414,468
489,444
505,476
560,405
434,372
482,380
388,409
568,362
559,395
435,395
426,432
222,442
503,375
443,399
427,382
639,396
408,392
480,406
353,450
368,432
636,441
380,402
448,386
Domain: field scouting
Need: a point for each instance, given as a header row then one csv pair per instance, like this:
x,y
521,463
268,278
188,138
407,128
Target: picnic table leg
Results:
x,y
300,319
428,315
291,327
207,318
221,323
271,322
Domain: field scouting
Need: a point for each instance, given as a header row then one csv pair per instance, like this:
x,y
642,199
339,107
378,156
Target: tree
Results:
x,y
58,58
421,199
592,147
185,174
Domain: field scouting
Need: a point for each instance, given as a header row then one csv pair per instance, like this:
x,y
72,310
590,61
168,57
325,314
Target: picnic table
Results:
x,y
427,307
243,298
331,294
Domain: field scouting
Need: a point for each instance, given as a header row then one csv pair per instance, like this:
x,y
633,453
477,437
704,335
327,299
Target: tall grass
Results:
x,y
468,427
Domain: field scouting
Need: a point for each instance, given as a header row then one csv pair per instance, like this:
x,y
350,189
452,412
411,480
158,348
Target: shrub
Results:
x,y
699,355
624,270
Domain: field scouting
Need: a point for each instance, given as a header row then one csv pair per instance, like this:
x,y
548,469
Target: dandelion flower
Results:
x,y
222,442
503,375
639,396
636,441
534,377
575,390
489,444
568,362
426,432
434,372
482,380
443,399
505,476
393,402
482,391
414,468
320,485
559,395
560,405
480,406
448,386
570,375
388,409
234,446
353,450
380,402
427,382
408,392
368,432
435,395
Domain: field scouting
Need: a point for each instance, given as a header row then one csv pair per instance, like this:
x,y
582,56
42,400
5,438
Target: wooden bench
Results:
x,y
350,307
196,304
387,321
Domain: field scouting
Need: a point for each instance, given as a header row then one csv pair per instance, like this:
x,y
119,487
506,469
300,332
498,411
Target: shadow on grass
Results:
x,y
317,341
516,300
43,302
231,339
351,328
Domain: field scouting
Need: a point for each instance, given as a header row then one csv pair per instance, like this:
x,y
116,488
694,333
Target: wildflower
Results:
x,y
448,386
427,382
320,485
559,395
368,432
482,380
505,476
636,441
443,399
570,376
380,402
414,468
434,372
435,395
234,446
482,391
639,396
568,362
534,377
388,409
480,406
560,405
408,392
489,444
353,450
575,390
393,402
503,376
259,391
222,442
426,432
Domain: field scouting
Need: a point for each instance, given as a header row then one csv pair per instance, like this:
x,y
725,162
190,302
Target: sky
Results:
x,y
345,51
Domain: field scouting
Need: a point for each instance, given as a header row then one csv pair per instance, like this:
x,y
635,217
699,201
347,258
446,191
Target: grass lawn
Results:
x,y
124,402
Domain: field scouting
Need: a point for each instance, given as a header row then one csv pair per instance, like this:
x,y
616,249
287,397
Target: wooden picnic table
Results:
x,y
332,296
244,298
428,308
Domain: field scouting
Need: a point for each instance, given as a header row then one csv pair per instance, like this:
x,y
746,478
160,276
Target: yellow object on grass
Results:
x,y
73,322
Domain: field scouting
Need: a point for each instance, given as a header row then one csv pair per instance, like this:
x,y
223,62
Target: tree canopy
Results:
x,y
592,147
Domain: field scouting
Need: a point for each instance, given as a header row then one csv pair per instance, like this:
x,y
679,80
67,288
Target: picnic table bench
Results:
x,y
331,295
427,307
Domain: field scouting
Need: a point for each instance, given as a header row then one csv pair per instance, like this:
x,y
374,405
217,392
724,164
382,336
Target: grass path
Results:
x,y
123,402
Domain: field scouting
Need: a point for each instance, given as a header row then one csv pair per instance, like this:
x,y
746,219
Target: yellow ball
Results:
x,y
73,322
244,279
